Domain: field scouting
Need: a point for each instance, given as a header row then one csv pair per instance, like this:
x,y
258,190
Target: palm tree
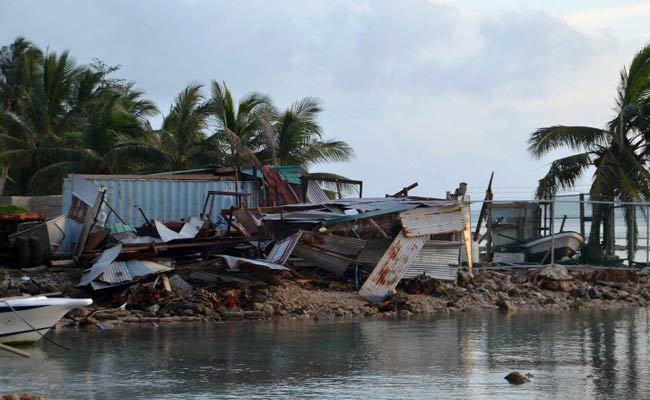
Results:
x,y
619,152
239,128
64,119
298,138
183,132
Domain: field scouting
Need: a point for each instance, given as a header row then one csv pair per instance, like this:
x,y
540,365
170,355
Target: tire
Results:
x,y
36,251
23,258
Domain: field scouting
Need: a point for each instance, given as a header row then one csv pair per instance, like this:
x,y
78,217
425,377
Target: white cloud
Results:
x,y
436,92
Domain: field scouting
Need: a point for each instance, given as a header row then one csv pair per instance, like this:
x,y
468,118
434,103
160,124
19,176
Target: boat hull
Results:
x,y
27,319
566,245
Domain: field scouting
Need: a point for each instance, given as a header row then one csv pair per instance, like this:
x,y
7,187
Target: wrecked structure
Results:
x,y
270,224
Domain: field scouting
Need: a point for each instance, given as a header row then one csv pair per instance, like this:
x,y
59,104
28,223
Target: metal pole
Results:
x,y
647,235
552,232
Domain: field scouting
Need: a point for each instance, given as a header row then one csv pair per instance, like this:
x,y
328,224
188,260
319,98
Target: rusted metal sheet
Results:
x,y
327,261
373,252
437,259
345,246
388,272
432,220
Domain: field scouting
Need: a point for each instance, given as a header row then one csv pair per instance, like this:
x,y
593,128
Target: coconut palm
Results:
x,y
183,132
65,120
619,152
298,138
239,128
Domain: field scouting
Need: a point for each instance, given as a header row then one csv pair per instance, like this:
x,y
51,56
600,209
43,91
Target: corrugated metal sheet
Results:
x,y
315,194
345,246
373,252
240,262
116,272
388,272
432,220
327,261
84,190
437,259
100,264
161,199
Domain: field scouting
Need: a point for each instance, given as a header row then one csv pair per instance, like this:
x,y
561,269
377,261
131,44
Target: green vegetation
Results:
x,y
12,210
57,118
619,152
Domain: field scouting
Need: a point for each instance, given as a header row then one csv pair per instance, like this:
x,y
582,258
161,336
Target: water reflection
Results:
x,y
572,355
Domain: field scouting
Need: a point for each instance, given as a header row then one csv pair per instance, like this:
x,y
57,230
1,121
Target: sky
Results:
x,y
434,92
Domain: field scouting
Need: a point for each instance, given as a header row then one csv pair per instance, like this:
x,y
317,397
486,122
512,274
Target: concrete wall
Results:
x,y
51,206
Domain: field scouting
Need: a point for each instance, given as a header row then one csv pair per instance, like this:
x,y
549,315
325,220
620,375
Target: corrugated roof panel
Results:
x,y
388,272
100,264
84,190
437,259
116,272
315,194
346,246
432,220
373,251
329,262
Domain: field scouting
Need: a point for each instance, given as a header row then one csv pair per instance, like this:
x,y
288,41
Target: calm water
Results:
x,y
601,355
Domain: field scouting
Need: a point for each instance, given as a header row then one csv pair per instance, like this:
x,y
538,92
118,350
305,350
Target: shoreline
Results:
x,y
534,289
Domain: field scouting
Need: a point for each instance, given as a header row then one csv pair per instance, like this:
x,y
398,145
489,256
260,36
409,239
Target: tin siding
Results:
x,y
436,259
388,272
162,199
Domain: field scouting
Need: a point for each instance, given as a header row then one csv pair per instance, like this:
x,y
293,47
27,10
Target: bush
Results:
x,y
12,210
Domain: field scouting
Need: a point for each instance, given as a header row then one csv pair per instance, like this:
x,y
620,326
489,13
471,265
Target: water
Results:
x,y
603,355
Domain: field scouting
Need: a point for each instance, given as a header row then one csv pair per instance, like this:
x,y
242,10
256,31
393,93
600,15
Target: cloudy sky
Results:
x,y
436,92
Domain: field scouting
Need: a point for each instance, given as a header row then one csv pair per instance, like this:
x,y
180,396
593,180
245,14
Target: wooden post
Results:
x,y
582,214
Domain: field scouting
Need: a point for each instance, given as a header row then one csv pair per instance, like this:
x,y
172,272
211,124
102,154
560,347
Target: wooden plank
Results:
x,y
432,220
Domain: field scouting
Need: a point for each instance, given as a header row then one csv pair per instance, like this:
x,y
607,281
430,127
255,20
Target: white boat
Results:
x,y
27,319
566,244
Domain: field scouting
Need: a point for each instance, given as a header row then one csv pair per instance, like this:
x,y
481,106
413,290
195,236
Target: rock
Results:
x,y
323,315
555,285
506,305
516,378
555,273
254,314
465,276
594,293
104,325
26,396
12,396
233,315
607,295
82,312
153,309
577,293
405,313
91,321
622,294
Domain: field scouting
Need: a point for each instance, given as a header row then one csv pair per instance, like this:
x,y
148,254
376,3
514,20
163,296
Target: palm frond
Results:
x,y
578,138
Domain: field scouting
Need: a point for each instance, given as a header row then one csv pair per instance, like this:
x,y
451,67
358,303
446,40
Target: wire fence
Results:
x,y
510,227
